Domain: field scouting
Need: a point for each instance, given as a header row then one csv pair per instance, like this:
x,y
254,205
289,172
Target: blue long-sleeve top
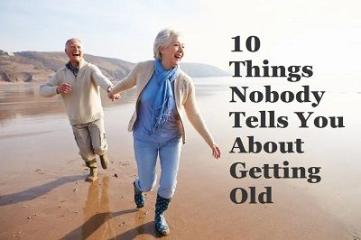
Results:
x,y
144,123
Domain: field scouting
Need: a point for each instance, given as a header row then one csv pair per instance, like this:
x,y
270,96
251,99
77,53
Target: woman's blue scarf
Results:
x,y
162,103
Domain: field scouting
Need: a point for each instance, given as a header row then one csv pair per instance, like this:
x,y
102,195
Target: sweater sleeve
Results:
x,y
195,117
100,79
49,89
128,82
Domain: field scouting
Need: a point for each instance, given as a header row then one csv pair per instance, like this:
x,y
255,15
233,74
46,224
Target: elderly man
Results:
x,y
78,83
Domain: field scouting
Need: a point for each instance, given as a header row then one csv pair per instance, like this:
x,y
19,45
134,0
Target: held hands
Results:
x,y
64,88
215,151
113,96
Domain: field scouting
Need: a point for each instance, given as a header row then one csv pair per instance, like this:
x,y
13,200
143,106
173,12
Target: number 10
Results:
x,y
252,44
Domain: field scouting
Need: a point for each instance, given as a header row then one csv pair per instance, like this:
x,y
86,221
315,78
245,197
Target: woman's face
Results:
x,y
173,53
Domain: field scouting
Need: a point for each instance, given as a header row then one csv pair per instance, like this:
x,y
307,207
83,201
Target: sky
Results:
x,y
324,33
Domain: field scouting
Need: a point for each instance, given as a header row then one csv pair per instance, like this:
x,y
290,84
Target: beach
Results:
x,y
43,194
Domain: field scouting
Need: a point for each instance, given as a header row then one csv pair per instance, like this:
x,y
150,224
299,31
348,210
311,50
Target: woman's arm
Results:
x,y
197,121
126,83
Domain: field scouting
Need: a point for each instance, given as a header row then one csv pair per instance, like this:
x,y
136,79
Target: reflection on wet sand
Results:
x,y
139,218
97,214
98,219
105,209
142,231
24,100
17,100
101,223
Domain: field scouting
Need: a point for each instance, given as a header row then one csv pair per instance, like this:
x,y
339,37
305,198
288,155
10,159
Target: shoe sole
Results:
x,y
162,233
104,163
91,179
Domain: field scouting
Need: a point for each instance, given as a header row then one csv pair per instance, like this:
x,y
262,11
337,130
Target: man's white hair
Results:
x,y
71,40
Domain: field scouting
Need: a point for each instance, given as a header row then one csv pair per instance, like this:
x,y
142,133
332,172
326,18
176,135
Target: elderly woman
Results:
x,y
164,94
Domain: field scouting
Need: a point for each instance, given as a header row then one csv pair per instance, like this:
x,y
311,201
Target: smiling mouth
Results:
x,y
178,56
76,54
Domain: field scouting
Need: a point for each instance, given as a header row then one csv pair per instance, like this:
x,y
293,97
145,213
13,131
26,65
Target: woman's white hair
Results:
x,y
163,39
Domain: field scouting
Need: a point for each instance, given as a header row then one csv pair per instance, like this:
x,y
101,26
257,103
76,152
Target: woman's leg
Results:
x,y
169,155
146,157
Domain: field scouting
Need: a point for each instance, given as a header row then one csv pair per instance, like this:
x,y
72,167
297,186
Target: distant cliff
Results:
x,y
30,66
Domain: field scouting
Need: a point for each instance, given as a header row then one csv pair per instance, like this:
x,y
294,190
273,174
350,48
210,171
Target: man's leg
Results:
x,y
99,142
83,140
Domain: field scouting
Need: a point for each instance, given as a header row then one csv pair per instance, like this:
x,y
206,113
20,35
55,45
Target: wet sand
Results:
x,y
43,194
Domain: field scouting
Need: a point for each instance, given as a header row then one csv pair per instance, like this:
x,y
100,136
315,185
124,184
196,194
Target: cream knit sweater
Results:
x,y
83,103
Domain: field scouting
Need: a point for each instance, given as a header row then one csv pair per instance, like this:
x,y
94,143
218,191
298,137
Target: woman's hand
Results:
x,y
215,151
113,96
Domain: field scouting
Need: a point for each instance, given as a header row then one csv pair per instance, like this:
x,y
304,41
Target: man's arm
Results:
x,y
49,89
100,79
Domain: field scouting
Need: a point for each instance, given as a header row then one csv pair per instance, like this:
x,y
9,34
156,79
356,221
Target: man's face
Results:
x,y
74,50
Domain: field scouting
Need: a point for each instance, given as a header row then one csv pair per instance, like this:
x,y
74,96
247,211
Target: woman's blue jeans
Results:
x,y
146,154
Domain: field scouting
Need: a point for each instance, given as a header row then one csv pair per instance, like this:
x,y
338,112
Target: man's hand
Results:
x,y
63,88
